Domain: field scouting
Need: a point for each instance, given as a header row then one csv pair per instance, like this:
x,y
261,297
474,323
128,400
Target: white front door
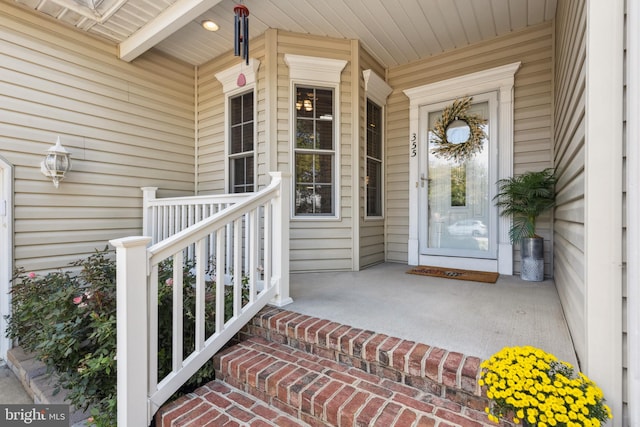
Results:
x,y
443,193
6,253
457,216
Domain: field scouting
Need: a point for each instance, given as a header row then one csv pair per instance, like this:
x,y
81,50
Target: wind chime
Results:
x,y
241,35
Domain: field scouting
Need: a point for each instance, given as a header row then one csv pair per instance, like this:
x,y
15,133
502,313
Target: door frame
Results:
x,y
6,247
499,79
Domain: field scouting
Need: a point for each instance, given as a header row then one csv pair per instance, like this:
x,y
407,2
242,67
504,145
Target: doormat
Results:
x,y
454,273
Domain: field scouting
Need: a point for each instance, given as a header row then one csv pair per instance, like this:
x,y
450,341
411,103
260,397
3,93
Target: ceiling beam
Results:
x,y
169,21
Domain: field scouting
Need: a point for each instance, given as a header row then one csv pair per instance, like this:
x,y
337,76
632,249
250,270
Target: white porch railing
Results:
x,y
245,238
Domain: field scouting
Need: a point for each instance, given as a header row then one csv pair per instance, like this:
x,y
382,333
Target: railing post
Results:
x,y
280,247
148,193
132,330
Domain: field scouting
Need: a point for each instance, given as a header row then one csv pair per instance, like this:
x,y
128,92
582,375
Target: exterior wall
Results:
x,y
316,244
569,227
372,247
211,161
126,126
532,119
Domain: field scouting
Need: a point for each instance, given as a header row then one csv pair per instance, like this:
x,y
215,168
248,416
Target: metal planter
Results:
x,y
532,254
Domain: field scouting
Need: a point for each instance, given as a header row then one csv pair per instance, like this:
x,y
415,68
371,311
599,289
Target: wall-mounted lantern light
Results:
x,y
56,164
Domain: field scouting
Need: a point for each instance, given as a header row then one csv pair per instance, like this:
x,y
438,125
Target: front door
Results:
x,y
457,218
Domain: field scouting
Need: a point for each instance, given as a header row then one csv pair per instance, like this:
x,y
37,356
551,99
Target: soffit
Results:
x,y
395,32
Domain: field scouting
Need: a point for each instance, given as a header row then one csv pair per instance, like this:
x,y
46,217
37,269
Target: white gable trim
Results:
x,y
377,89
500,79
314,68
229,77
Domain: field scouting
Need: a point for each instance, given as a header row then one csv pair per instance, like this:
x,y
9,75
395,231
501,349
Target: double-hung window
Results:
x,y
241,149
314,151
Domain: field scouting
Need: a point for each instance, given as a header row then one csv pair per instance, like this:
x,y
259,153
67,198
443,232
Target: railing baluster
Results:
x,y
153,329
229,249
220,271
178,309
237,267
252,244
200,294
267,245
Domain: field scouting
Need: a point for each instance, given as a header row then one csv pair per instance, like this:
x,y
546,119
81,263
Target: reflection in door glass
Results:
x,y
458,196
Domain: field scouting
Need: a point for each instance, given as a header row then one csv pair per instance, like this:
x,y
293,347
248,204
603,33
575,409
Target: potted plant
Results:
x,y
525,197
537,389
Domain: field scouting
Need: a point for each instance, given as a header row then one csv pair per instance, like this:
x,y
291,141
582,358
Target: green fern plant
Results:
x,y
524,197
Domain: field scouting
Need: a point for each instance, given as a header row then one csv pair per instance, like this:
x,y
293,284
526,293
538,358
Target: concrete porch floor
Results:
x,y
473,318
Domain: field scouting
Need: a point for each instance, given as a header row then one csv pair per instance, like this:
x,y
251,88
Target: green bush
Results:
x,y
68,319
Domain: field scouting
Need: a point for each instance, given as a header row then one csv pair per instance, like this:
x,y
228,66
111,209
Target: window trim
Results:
x,y
319,73
230,87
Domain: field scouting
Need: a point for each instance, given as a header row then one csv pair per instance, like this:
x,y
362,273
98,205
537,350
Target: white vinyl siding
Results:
x,y
126,126
569,224
316,244
533,102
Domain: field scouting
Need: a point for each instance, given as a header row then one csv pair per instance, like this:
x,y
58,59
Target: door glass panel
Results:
x,y
458,198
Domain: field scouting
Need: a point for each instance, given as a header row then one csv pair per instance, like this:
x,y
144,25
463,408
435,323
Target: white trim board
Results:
x,y
6,249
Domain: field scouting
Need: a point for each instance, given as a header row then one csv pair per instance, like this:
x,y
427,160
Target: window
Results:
x,y
314,151
315,84
239,126
241,154
373,180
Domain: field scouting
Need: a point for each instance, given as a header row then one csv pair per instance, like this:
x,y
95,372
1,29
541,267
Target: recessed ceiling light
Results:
x,y
210,25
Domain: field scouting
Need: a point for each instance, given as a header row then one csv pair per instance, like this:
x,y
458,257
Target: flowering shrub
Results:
x,y
538,389
68,319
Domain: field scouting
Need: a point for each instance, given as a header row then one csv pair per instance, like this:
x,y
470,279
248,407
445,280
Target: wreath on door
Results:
x,y
458,151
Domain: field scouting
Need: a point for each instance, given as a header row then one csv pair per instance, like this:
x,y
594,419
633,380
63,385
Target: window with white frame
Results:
x,y
373,179
315,84
240,120
377,91
314,151
241,144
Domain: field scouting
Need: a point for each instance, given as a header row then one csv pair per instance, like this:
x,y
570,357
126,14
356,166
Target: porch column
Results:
x,y
603,200
132,330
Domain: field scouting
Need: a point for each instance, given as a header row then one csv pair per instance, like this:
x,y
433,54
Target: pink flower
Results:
x,y
169,281
32,275
77,300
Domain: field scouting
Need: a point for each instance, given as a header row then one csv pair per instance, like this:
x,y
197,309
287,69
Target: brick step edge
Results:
x,y
451,375
323,392
218,404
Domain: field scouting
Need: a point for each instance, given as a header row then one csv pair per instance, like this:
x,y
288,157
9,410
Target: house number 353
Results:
x,y
414,145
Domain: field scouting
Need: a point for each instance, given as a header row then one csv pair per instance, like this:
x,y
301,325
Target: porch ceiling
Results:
x,y
395,31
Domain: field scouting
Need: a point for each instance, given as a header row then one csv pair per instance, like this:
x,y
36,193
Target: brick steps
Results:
x,y
218,404
325,374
